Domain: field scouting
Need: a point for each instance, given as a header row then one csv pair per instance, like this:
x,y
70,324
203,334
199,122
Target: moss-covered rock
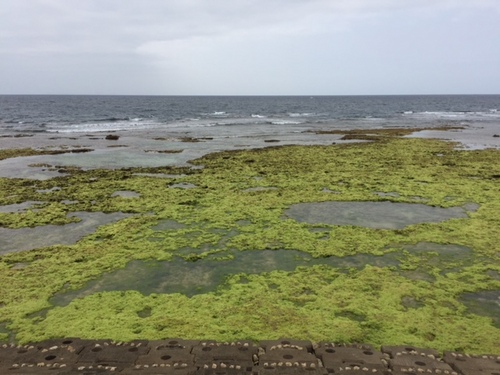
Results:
x,y
224,211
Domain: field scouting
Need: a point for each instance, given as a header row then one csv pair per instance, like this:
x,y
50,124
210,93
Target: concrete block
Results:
x,y
290,371
175,343
112,354
28,371
160,369
166,355
16,358
288,358
351,358
394,351
413,363
93,370
226,365
473,364
286,344
344,345
241,351
352,371
226,370
73,345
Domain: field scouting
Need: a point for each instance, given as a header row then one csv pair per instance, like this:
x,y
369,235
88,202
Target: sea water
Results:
x,y
250,115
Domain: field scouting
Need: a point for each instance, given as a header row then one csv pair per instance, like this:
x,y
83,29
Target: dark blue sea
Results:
x,y
84,114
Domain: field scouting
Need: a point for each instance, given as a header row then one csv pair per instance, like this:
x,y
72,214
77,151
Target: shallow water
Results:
x,y
167,224
126,194
138,146
448,251
449,258
14,240
486,303
18,207
206,275
183,185
377,215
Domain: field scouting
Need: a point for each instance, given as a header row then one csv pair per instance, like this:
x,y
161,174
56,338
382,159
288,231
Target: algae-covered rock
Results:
x,y
239,203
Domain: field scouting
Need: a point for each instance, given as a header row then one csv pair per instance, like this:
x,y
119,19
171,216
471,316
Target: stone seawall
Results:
x,y
191,357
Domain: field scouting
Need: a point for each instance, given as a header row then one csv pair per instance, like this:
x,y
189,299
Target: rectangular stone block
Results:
x,y
290,371
351,358
349,371
166,355
466,363
243,351
477,372
231,370
30,370
286,344
174,343
345,345
73,345
25,356
288,358
394,351
159,370
413,363
111,354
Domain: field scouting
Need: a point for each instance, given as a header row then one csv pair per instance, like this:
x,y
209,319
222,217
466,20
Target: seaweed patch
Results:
x,y
237,203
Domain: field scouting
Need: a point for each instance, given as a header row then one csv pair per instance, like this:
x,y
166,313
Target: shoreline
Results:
x,y
154,148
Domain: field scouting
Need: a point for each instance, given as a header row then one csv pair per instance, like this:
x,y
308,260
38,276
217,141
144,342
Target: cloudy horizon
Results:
x,y
271,47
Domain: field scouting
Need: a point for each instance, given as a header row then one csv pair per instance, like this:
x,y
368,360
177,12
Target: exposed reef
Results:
x,y
237,203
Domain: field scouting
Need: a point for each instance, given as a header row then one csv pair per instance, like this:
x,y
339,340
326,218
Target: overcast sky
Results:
x,y
250,47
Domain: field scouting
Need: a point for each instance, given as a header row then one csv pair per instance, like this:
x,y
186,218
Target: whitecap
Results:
x,y
306,114
285,122
101,126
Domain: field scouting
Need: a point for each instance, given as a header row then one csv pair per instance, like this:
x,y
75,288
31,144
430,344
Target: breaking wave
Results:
x,y
103,125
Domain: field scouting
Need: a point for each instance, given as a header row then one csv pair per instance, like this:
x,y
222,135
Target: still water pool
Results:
x,y
377,215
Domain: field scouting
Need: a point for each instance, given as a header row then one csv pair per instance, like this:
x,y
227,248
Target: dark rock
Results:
x,y
81,150
112,137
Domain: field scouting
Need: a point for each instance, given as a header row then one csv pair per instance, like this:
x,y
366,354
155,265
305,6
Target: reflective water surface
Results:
x,y
14,240
377,215
202,276
486,303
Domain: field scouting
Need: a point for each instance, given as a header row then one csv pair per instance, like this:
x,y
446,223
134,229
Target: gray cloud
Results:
x,y
249,47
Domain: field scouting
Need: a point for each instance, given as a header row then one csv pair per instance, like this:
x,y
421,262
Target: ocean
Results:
x,y
80,114
158,131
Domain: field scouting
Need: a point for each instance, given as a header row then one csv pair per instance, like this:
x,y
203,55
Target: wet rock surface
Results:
x,y
283,356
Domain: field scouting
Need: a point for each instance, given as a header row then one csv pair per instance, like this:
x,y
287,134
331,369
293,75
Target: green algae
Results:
x,y
238,204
